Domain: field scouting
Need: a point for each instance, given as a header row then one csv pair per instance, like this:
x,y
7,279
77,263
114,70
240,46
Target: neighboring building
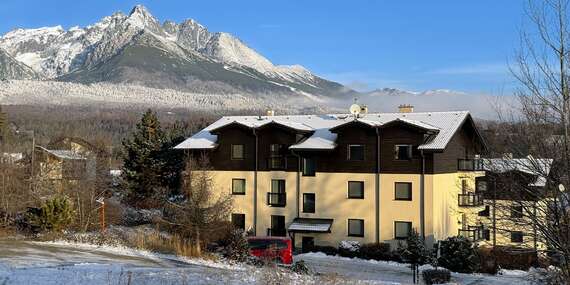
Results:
x,y
11,157
68,161
326,178
511,191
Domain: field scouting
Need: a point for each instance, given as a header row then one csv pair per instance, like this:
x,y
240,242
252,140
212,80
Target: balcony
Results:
x,y
277,232
473,233
470,200
276,199
470,164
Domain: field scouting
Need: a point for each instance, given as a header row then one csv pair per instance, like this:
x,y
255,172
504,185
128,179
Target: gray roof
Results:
x,y
539,167
63,154
442,124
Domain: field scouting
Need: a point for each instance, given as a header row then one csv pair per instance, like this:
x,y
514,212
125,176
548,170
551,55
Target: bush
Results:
x,y
376,251
436,276
236,247
328,250
458,254
507,258
349,248
54,215
414,250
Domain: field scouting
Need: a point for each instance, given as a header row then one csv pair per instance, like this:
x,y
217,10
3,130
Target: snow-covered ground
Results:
x,y
23,262
397,273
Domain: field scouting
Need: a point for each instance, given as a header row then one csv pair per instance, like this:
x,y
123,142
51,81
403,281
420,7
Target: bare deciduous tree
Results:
x,y
202,213
541,129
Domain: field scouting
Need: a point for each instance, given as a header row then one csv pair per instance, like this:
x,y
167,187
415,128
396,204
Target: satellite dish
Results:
x,y
355,109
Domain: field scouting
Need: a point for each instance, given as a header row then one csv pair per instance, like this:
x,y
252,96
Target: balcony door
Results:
x,y
277,226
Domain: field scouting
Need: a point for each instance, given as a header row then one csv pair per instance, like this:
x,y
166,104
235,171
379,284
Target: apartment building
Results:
x,y
322,179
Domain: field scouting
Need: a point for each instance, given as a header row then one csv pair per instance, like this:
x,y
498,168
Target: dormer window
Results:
x,y
403,152
355,152
238,152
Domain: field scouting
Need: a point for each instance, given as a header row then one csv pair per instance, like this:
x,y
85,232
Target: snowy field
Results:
x,y
63,263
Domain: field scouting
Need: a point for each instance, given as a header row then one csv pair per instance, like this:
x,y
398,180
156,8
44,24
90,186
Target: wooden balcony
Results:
x,y
470,200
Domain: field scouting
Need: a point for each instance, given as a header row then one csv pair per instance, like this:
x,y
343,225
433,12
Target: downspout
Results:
x,y
422,198
377,190
298,186
255,184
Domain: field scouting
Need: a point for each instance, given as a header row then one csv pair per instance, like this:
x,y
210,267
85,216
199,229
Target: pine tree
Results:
x,y
415,253
458,254
143,165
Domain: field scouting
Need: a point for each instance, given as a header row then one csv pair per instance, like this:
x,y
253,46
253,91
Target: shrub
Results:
x,y
507,258
376,251
414,250
458,254
436,276
300,267
236,247
328,250
349,248
54,215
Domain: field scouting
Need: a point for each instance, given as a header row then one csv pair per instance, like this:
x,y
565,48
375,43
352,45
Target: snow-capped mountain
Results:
x,y
138,49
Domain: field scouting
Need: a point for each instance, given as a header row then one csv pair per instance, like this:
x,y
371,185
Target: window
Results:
x,y
481,185
309,166
403,191
516,237
238,186
485,213
517,211
277,226
238,220
464,186
487,234
355,228
278,186
309,203
355,152
238,151
402,230
355,189
276,156
403,152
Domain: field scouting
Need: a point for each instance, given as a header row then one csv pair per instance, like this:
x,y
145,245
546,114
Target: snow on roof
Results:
x,y
310,225
63,154
444,123
534,166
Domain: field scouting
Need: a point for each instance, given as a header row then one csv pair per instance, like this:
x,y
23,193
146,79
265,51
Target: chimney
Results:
x,y
405,108
270,113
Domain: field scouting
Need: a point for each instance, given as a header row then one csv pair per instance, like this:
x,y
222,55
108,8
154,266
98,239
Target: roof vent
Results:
x,y
405,108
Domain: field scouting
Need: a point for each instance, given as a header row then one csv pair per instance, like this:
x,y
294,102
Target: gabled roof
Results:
x,y
63,154
539,167
443,125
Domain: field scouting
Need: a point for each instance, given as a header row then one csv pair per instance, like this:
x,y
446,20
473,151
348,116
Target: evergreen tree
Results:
x,y
458,254
414,251
145,170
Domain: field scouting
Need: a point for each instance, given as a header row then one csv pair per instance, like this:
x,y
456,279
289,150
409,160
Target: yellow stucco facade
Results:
x,y
443,215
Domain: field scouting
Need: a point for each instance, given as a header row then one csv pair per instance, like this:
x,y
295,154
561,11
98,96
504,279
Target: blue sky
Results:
x,y
415,45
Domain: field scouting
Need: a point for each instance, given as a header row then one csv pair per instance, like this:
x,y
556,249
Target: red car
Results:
x,y
278,249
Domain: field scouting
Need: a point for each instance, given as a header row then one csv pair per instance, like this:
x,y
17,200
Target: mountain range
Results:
x,y
137,49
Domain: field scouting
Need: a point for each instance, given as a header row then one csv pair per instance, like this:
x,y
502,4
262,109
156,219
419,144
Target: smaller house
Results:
x,y
68,161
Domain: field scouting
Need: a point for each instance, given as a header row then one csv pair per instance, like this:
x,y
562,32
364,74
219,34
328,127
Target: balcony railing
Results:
x,y
470,164
474,233
470,200
277,232
276,199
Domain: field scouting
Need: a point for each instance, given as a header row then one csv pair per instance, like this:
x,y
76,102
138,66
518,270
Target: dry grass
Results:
x,y
163,243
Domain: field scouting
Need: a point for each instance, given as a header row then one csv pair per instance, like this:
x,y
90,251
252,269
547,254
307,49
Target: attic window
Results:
x,y
403,152
355,152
